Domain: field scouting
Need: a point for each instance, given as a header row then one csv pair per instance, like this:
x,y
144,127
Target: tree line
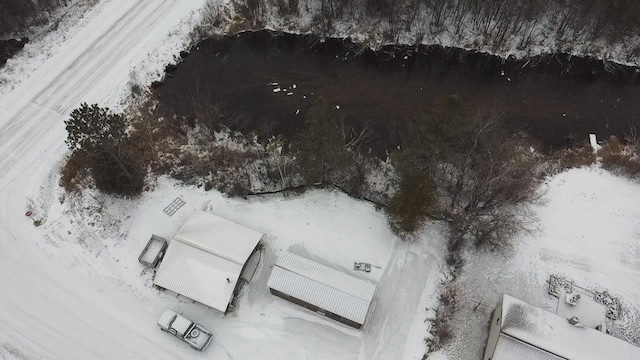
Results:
x,y
17,15
495,21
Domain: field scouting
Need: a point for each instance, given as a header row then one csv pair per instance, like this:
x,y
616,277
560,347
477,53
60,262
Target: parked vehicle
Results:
x,y
193,334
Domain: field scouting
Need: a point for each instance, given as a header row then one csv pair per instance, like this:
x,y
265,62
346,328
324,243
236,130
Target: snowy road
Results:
x,y
86,69
46,308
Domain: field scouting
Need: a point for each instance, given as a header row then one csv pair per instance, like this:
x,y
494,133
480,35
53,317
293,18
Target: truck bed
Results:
x,y
202,340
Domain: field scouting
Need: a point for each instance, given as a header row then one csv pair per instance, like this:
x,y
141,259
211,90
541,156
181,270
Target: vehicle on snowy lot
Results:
x,y
193,334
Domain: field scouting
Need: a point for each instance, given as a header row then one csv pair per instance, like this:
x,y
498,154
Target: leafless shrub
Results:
x,y
212,14
320,148
249,11
580,155
215,166
410,207
441,331
286,7
621,158
280,167
150,134
322,22
212,116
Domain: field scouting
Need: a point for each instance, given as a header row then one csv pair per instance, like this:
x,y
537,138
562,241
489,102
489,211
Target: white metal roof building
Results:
x,y
524,332
205,259
340,296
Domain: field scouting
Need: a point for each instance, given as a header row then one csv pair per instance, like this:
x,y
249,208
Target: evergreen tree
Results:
x,y
99,136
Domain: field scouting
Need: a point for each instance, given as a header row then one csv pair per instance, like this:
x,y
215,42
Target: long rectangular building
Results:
x,y
330,292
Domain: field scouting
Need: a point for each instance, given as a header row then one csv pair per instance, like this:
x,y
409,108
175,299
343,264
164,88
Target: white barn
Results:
x,y
317,287
520,331
205,259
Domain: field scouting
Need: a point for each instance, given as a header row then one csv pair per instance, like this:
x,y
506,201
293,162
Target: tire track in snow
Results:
x,y
392,317
9,127
40,122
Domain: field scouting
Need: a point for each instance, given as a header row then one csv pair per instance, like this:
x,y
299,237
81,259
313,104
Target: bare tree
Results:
x,y
320,148
484,177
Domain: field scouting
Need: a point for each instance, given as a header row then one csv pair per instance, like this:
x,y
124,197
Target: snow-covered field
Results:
x,y
587,229
73,289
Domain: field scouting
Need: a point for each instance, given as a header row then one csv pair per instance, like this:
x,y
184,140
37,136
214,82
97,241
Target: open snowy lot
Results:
x,y
100,238
586,229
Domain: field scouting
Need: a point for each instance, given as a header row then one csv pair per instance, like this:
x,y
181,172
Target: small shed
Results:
x,y
327,291
153,251
205,259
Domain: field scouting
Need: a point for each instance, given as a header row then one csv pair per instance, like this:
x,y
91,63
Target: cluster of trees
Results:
x,y
496,20
461,165
16,15
456,163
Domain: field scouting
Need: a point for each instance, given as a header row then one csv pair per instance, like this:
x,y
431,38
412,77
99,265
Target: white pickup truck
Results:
x,y
193,334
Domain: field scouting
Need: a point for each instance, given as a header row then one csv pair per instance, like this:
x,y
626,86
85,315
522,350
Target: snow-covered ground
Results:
x,y
72,287
100,238
587,229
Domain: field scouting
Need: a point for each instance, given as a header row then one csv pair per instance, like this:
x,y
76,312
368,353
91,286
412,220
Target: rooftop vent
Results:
x,y
575,321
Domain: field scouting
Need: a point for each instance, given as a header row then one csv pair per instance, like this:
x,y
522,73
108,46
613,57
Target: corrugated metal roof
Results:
x,y
322,286
318,294
554,334
509,348
219,236
325,275
199,275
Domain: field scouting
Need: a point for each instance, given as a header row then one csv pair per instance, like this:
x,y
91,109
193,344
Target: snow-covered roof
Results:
x,y
322,286
509,348
181,325
204,260
198,275
219,236
166,316
554,334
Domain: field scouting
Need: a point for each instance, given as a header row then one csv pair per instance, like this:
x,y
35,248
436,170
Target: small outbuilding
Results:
x,y
327,291
521,331
206,258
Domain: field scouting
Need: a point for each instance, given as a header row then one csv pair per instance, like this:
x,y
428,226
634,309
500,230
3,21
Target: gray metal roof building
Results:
x,y
337,295
205,259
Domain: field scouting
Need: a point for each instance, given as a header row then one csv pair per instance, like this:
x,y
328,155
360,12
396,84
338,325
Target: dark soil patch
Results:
x,y
10,47
268,80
